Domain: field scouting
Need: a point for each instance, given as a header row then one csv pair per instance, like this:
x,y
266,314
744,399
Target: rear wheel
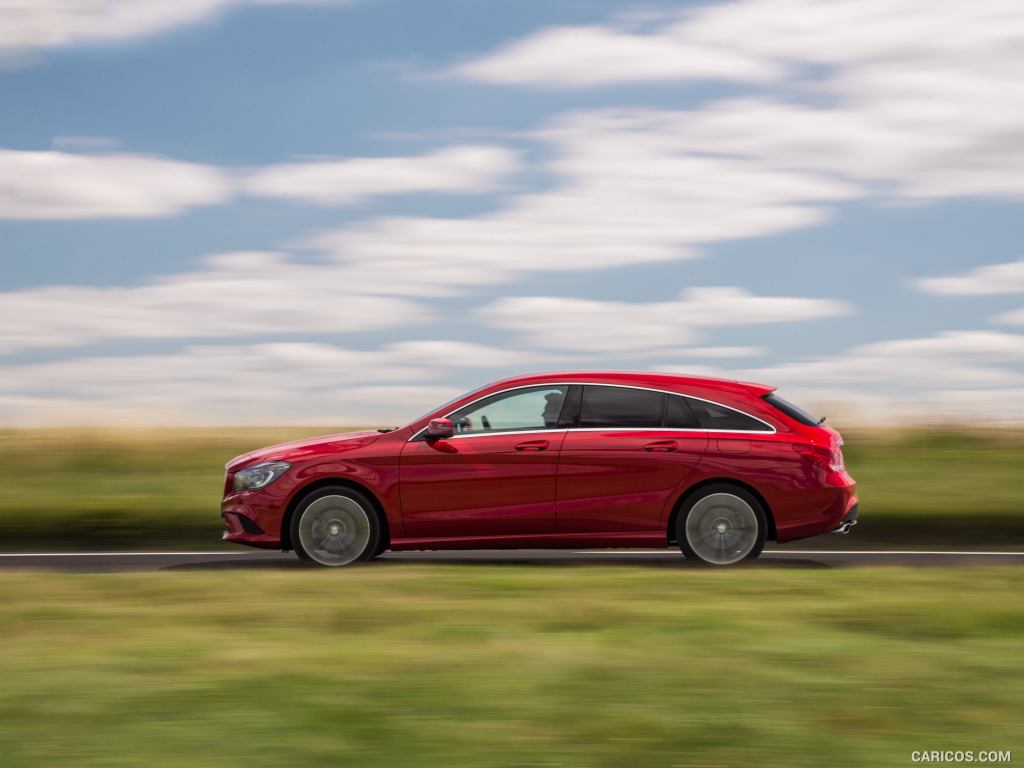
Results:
x,y
721,524
335,526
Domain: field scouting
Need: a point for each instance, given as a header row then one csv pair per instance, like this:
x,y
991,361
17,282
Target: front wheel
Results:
x,y
720,525
334,527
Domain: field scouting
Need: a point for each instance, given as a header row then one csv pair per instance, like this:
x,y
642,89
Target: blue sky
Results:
x,y
231,211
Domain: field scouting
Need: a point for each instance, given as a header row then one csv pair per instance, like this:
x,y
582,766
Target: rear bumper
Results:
x,y
828,511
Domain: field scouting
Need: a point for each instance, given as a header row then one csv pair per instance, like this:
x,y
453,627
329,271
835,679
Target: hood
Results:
x,y
300,449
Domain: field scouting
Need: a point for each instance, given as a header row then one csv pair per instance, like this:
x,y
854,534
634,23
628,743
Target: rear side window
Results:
x,y
711,416
794,412
679,414
620,407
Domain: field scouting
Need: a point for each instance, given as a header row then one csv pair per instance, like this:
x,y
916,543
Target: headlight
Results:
x,y
260,475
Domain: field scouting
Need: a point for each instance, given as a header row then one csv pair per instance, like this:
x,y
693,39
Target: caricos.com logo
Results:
x,y
960,756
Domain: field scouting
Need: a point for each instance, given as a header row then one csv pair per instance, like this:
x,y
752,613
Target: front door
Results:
x,y
495,477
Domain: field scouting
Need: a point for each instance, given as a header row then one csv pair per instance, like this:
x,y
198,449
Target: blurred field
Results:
x,y
499,666
158,488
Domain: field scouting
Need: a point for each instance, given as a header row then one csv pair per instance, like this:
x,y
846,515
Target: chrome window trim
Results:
x,y
552,430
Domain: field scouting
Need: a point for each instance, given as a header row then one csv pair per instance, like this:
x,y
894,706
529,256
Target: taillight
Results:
x,y
838,462
829,457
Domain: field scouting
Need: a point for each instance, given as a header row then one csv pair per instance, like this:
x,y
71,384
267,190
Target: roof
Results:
x,y
662,380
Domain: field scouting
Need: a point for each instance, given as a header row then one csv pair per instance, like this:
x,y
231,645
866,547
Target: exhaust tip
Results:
x,y
848,522
844,527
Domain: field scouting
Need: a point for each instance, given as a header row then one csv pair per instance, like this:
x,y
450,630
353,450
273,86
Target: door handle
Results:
x,y
661,445
533,445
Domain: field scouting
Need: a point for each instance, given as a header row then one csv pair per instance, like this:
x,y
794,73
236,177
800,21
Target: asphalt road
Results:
x,y
111,562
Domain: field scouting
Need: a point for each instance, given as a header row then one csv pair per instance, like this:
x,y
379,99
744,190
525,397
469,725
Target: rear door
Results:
x,y
625,460
495,477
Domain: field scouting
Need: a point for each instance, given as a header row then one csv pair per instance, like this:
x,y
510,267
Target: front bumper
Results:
x,y
249,520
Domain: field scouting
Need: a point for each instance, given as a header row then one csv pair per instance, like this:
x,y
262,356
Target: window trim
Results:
x,y
553,430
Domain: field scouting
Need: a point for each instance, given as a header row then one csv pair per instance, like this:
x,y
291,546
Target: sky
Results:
x,y
273,212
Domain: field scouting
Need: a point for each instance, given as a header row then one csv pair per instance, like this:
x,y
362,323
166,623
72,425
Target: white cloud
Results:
x,y
923,97
964,375
235,295
755,40
953,376
456,169
590,56
988,280
611,326
274,383
709,353
948,359
627,191
1013,317
461,354
28,24
62,185
57,185
982,281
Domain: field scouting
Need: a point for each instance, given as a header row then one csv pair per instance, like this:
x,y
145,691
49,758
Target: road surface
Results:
x,y
110,562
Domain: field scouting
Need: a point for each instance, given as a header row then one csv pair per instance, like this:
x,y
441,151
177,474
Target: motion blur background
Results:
x,y
305,216
226,223
234,212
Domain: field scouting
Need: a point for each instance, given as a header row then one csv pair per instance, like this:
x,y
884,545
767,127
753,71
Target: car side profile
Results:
x,y
559,460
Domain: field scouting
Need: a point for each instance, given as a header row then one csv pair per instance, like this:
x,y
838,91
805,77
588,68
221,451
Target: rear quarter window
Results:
x,y
712,416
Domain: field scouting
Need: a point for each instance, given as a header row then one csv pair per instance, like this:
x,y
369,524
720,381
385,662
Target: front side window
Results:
x,y
621,407
518,410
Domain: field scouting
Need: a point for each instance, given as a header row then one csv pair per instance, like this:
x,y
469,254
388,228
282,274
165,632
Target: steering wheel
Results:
x,y
485,422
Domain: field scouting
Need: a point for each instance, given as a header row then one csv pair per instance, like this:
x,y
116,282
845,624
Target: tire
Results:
x,y
335,527
721,524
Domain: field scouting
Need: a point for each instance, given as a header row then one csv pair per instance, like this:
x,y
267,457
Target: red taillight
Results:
x,y
829,457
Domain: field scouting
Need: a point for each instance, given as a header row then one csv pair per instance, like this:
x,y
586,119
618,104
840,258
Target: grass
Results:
x,y
394,665
942,486
144,487
133,488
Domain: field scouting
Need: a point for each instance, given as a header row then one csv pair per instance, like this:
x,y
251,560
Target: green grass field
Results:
x,y
402,665
162,487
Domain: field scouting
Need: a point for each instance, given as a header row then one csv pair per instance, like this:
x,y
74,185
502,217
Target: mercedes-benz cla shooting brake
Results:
x,y
555,460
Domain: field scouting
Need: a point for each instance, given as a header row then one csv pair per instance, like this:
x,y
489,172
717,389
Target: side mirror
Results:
x,y
438,429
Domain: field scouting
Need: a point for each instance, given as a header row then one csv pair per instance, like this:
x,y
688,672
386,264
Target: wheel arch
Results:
x,y
772,534
329,482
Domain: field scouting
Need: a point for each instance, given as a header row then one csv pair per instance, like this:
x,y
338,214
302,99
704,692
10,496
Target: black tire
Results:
x,y
335,527
721,524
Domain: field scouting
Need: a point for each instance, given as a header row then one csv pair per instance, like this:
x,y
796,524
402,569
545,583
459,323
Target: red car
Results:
x,y
555,460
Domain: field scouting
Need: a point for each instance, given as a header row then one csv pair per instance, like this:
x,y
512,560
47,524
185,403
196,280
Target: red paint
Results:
x,y
558,487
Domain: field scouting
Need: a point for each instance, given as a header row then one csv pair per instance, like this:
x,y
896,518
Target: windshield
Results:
x,y
443,405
